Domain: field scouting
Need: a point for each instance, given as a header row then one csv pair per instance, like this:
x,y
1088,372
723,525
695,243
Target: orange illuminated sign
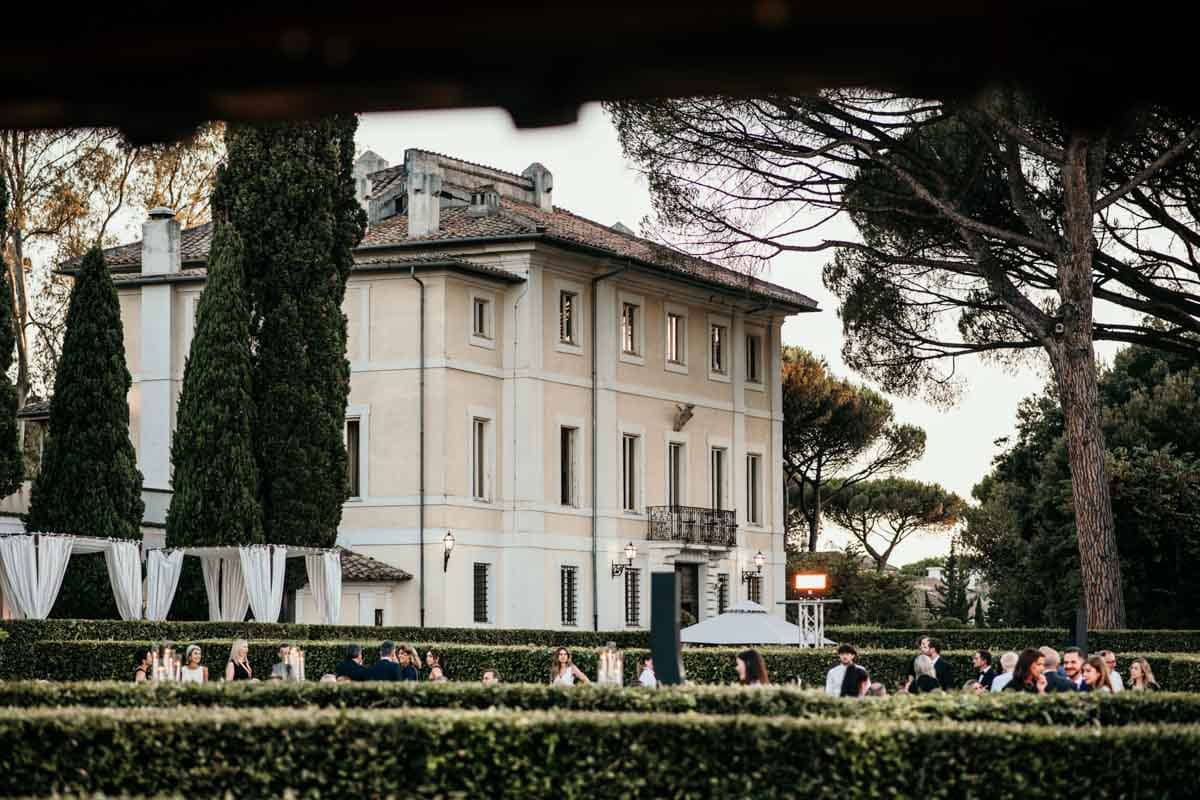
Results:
x,y
811,583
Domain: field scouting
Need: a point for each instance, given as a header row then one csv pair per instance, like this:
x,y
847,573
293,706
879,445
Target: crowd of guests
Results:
x,y
1040,671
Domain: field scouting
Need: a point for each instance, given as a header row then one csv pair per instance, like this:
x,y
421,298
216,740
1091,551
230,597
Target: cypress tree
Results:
x,y
11,458
89,483
215,501
952,589
288,190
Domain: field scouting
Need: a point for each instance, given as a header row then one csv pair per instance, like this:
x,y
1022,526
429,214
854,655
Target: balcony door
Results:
x,y
688,576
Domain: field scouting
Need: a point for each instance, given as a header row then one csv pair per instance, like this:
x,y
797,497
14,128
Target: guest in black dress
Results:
x,y
926,677
351,667
238,668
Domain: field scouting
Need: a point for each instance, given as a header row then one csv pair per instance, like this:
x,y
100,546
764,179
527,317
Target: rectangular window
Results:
x,y
482,318
753,506
568,493
479,488
570,596
718,478
675,477
629,472
633,597
722,592
481,593
754,589
379,618
568,304
717,364
353,443
629,328
753,359
676,338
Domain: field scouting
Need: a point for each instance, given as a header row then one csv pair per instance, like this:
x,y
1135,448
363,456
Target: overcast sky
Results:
x,y
592,178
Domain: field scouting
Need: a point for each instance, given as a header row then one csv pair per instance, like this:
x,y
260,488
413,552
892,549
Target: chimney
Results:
x,y
543,185
160,242
424,177
485,201
364,165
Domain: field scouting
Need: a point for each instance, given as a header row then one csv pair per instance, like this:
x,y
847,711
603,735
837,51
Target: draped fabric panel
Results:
x,y
325,583
211,567
226,588
35,566
162,578
263,567
124,562
7,590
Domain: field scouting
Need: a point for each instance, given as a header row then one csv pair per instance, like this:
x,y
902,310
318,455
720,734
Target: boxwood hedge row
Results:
x,y
82,660
325,753
1077,710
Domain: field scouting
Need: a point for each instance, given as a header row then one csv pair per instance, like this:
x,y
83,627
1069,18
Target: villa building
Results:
x,y
542,390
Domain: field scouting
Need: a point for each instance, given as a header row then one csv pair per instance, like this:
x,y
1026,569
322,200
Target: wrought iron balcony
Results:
x,y
692,525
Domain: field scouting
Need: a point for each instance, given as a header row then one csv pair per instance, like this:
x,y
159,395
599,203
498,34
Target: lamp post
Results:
x,y
447,548
630,555
750,574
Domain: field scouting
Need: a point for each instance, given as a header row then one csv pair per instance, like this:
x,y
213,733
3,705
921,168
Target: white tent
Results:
x,y
745,623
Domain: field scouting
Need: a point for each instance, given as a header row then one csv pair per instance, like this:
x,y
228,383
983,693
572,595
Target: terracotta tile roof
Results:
x,y
362,568
193,244
516,218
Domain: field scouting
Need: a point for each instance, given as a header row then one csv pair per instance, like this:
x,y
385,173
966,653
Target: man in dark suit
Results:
x,y
1073,659
1055,681
983,664
351,667
945,674
386,668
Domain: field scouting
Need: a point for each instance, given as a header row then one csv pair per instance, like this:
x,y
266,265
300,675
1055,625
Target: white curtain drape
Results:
x,y
35,566
124,562
226,587
263,567
162,578
325,583
6,589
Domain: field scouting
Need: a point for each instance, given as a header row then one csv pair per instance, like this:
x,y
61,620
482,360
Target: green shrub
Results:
x,y
327,753
115,661
1078,710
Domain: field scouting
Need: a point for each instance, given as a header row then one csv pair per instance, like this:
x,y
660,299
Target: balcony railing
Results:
x,y
692,525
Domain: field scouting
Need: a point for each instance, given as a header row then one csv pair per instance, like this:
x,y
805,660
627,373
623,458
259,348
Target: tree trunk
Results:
x,y
1074,360
20,316
814,519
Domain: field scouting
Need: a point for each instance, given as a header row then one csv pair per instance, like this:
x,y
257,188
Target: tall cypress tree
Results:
x,y
11,461
215,501
89,482
288,190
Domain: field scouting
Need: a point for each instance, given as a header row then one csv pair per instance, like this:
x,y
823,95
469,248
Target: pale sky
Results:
x,y
592,178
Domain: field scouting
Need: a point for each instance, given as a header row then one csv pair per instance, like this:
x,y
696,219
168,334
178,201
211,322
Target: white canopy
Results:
x,y
745,623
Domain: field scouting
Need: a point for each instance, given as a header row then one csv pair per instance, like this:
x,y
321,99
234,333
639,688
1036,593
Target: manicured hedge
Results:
x,y
327,753
997,640
115,661
1079,710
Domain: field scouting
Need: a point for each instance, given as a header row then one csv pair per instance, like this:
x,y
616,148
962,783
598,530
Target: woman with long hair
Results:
x,y
924,676
1095,674
142,671
1141,677
751,669
1027,674
563,671
238,667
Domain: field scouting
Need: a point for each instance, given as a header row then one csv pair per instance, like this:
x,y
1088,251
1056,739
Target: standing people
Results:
x,y
1055,681
1114,677
1073,659
282,671
646,677
490,677
141,672
238,668
386,668
751,669
563,671
1095,672
1027,675
192,672
983,665
434,659
409,660
925,676
941,668
1141,677
1008,662
351,667
845,674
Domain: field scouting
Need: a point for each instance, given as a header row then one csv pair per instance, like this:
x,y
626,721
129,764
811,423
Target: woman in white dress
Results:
x,y
192,672
563,671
